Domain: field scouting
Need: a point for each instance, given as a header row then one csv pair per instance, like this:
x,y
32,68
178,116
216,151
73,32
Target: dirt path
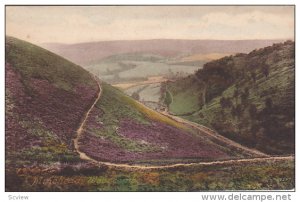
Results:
x,y
215,135
80,129
220,162
263,157
210,132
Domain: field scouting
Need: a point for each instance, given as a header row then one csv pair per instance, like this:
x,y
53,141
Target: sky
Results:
x,y
77,24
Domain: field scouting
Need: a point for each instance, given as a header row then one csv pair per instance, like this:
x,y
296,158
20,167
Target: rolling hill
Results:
x,y
249,98
91,53
45,98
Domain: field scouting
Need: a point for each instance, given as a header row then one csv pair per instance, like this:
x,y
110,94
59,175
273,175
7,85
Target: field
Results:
x,y
150,93
126,68
184,101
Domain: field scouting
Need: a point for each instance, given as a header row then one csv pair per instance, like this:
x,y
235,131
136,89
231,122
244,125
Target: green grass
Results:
x,y
185,97
35,62
116,107
212,111
278,86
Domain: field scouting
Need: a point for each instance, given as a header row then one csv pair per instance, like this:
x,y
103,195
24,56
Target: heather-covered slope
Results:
x,y
121,130
46,97
249,98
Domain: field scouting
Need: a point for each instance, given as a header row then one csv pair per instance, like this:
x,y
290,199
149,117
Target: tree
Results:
x,y
269,103
265,70
225,102
253,76
236,111
260,138
168,98
200,101
244,96
135,95
246,92
236,95
253,111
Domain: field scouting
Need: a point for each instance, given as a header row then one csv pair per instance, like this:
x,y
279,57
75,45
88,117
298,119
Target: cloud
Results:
x,y
80,24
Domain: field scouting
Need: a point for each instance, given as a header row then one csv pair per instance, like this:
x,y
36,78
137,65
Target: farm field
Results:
x,y
121,71
147,93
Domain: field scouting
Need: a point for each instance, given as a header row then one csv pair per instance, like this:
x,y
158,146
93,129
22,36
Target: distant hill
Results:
x,y
45,97
249,98
90,53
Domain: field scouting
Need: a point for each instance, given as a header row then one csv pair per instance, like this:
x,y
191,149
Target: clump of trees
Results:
x,y
249,115
168,99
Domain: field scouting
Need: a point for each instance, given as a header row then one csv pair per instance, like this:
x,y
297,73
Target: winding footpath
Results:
x,y
80,129
261,156
215,135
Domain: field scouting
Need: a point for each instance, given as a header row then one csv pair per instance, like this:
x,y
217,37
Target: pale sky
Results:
x,y
67,24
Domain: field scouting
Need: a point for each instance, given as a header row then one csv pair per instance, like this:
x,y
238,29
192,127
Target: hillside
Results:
x,y
49,99
122,130
91,53
45,98
249,98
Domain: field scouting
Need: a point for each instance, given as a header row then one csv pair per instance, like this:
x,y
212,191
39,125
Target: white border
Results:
x,y
133,196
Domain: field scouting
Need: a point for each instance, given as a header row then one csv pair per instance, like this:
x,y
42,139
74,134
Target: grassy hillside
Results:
x,y
249,98
121,129
46,97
